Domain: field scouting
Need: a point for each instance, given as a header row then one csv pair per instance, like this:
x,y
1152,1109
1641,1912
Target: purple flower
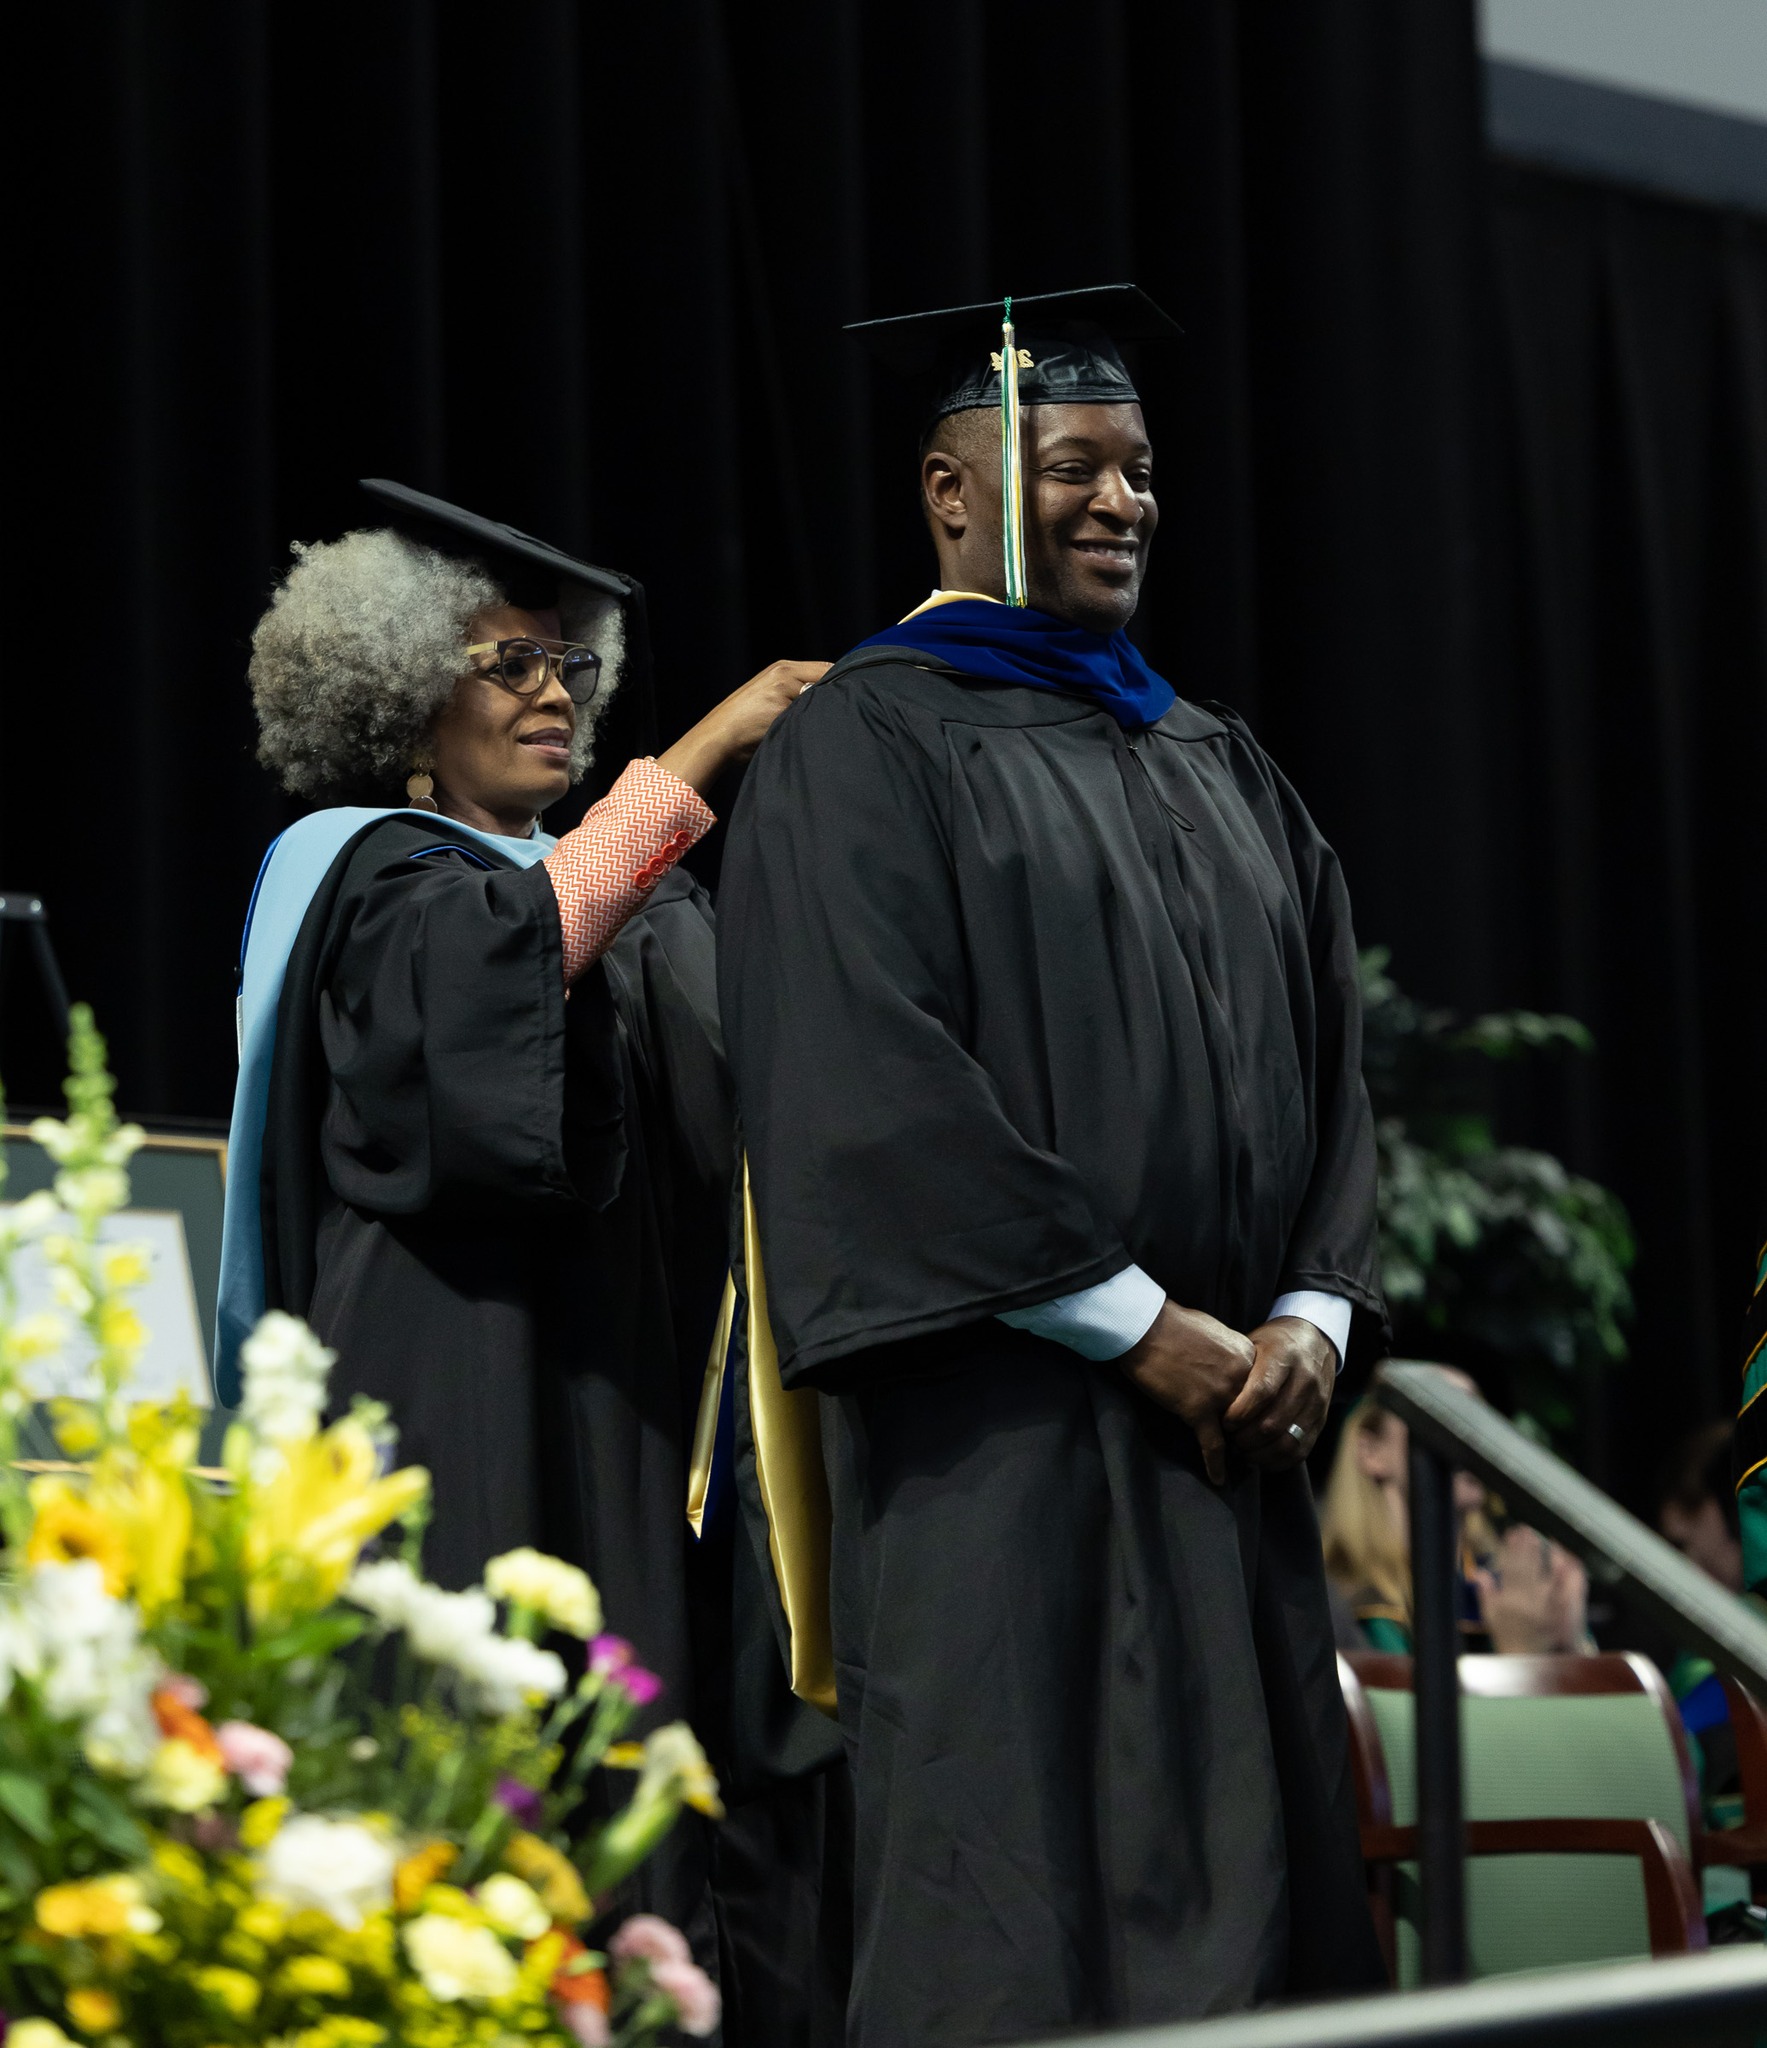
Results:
x,y
608,1654
610,1657
640,1686
519,1799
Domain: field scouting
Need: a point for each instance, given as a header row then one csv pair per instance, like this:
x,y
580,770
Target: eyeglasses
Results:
x,y
525,666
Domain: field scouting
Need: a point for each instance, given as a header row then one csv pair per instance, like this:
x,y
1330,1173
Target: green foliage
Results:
x,y
1486,1245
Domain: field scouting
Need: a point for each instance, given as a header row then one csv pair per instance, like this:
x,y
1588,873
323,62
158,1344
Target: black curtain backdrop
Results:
x,y
1463,467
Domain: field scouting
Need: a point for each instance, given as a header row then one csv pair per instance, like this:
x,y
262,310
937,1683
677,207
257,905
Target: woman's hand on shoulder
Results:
x,y
730,732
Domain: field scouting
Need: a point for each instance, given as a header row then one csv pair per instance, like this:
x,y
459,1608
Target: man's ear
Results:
x,y
943,489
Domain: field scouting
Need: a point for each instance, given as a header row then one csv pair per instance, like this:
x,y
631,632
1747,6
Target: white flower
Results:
x,y
388,1588
506,1672
341,1867
70,1291
675,1767
84,1651
457,1960
91,1190
286,1368
446,1627
61,1141
458,1630
561,1594
25,1219
513,1907
37,2034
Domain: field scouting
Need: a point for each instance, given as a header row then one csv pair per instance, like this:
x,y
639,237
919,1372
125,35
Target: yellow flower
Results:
x,y
182,1778
624,1756
551,1874
120,1328
513,1907
94,2011
38,1336
180,1866
258,1825
68,1528
309,1523
125,1266
76,1428
456,1960
422,1868
262,1920
233,1990
564,1597
314,1977
95,1906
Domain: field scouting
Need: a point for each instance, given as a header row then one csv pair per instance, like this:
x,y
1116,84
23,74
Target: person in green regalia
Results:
x,y
1751,1437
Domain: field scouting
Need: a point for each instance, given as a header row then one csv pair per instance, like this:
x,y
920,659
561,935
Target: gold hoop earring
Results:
x,y
418,785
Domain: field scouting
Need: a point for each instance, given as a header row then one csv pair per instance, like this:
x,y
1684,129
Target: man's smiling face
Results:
x,y
1089,508
1090,512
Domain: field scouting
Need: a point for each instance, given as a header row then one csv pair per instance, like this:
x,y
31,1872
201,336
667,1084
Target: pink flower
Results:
x,y
640,1686
258,1759
697,2004
646,1938
585,2023
188,1692
611,1657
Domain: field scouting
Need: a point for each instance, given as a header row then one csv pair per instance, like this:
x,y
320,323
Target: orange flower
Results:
x,y
575,1982
180,1722
422,1868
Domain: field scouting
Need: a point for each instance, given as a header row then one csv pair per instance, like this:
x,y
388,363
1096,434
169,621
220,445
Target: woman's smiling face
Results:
x,y
499,759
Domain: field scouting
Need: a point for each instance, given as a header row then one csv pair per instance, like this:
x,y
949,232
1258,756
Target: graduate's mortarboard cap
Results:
x,y
1067,348
529,571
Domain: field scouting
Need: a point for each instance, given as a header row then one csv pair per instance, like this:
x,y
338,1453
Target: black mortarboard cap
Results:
x,y
1070,337
529,571
536,575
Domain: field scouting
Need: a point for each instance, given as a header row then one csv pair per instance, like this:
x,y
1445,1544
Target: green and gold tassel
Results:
x,y
1012,482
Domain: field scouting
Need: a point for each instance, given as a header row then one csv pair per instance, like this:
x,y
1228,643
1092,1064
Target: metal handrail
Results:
x,y
1718,2000
1547,1493
1452,1429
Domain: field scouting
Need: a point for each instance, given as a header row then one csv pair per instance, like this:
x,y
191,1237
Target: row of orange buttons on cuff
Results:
x,y
659,865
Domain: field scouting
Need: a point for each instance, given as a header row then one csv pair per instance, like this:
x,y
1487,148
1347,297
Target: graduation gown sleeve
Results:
x,y
879,1147
1334,1241
459,1074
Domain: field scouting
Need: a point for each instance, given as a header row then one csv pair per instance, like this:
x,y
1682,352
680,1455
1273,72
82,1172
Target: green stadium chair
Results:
x,y
1582,1812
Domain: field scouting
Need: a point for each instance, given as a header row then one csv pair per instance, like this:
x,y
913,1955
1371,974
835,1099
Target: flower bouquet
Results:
x,y
259,1781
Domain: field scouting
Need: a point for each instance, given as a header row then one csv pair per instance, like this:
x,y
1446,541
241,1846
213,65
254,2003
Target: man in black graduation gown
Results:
x,y
1039,989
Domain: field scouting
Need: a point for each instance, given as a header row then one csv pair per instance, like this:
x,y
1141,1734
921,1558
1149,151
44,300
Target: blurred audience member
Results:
x,y
1518,1593
1697,1512
1696,1508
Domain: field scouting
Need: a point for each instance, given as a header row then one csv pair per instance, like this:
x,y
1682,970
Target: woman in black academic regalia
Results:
x,y
482,1139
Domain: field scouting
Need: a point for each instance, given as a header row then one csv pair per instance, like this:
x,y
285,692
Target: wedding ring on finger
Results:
x,y
1297,1432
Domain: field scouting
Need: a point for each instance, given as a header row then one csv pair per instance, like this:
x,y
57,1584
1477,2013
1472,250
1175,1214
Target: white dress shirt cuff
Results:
x,y
1103,1322
1099,1322
1328,1313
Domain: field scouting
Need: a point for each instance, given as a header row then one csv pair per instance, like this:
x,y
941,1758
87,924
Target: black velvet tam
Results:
x,y
531,571
1070,338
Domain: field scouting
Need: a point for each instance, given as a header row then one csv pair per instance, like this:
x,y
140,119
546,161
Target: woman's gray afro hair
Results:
x,y
361,647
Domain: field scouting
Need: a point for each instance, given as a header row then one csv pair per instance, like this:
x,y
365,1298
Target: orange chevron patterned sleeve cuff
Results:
x,y
625,845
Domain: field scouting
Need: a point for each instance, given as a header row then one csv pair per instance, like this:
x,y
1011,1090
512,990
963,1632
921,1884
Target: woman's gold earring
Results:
x,y
418,785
